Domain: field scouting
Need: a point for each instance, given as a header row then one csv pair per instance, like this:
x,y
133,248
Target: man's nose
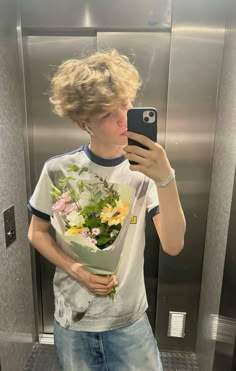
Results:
x,y
122,116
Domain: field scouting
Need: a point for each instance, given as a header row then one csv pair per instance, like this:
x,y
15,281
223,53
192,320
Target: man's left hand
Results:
x,y
152,162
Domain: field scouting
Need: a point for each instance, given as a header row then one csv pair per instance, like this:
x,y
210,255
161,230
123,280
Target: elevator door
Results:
x,y
52,135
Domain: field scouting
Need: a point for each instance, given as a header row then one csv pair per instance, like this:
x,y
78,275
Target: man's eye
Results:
x,y
107,115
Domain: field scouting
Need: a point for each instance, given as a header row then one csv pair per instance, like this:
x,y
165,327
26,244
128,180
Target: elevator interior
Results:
x,y
178,50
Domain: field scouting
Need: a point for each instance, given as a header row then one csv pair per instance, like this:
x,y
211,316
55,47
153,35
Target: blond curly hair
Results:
x,y
82,88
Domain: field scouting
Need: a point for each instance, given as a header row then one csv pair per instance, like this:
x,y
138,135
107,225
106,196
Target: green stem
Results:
x,y
112,294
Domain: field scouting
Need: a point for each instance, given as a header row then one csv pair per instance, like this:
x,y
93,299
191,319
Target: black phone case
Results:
x,y
136,124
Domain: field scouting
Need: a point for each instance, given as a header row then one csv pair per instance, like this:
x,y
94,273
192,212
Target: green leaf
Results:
x,y
55,195
73,168
80,186
97,194
83,169
92,223
105,183
87,210
72,193
66,179
55,189
102,240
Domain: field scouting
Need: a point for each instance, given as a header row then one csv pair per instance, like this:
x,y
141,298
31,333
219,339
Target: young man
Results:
x,y
96,93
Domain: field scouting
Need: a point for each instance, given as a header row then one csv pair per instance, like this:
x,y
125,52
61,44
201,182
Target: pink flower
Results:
x,y
59,205
85,232
96,231
92,240
66,197
70,207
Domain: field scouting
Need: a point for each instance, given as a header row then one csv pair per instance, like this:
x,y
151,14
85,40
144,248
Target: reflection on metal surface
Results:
x,y
17,337
206,30
195,61
176,325
107,14
223,329
87,16
45,53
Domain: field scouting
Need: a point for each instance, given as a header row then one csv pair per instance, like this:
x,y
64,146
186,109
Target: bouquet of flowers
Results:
x,y
92,216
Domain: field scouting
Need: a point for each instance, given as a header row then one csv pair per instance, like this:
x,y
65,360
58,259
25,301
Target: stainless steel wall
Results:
x,y
16,317
220,201
46,52
225,335
76,15
195,62
197,37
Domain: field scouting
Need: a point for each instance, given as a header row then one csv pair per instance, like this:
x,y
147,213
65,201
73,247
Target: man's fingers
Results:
x,y
102,292
105,281
102,282
140,138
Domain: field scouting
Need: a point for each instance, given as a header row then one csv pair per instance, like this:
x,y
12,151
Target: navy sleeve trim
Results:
x,y
154,211
37,213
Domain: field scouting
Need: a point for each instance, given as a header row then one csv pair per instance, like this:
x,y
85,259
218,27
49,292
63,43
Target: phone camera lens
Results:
x,y
151,113
146,119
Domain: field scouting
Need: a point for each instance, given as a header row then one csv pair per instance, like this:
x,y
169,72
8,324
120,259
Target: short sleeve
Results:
x,y
40,203
152,199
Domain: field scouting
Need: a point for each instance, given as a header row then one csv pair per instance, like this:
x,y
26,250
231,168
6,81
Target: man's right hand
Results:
x,y
40,238
99,285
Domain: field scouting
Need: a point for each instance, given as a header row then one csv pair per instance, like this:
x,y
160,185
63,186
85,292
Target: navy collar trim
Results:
x,y
102,161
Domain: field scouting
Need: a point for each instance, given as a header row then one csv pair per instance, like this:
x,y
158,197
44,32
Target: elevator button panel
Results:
x,y
9,225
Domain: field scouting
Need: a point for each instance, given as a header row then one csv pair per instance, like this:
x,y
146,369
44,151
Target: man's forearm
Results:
x,y
172,220
45,244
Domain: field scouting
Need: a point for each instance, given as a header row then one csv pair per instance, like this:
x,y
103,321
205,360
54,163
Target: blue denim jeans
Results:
x,y
130,348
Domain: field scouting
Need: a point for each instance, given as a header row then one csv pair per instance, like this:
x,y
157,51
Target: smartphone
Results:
x,y
142,120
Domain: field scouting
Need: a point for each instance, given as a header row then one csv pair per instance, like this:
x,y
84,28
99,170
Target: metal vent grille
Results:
x,y
176,325
179,361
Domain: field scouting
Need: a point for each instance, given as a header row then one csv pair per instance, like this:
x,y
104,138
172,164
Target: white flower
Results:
x,y
85,199
75,218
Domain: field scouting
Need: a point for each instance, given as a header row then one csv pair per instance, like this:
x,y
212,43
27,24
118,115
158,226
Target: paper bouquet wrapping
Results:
x,y
91,217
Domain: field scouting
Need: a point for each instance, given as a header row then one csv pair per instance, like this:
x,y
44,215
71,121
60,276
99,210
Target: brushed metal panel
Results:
x,y
16,299
195,60
44,55
225,350
70,14
218,227
47,52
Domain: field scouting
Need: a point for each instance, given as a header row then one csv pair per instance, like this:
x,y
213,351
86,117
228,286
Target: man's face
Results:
x,y
110,128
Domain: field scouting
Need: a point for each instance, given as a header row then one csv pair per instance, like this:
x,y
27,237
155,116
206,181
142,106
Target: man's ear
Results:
x,y
81,124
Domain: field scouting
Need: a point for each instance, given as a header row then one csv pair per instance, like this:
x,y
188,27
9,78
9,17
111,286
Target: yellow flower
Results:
x,y
73,231
115,215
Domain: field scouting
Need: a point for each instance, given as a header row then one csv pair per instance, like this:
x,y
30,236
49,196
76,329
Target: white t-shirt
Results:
x,y
75,306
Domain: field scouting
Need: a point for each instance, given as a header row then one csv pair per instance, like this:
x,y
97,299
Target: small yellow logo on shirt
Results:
x,y
133,220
